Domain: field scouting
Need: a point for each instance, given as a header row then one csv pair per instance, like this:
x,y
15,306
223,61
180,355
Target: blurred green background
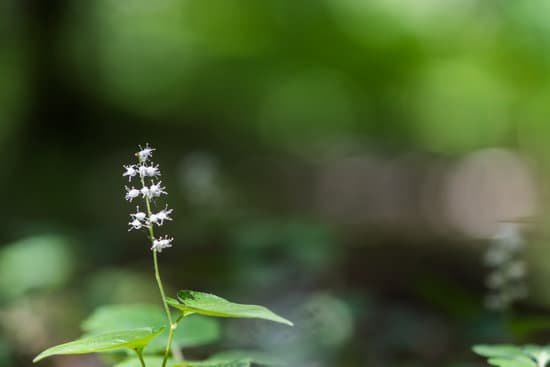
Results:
x,y
343,161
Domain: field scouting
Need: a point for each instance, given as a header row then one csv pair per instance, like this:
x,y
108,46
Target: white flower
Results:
x,y
154,219
509,236
146,192
516,269
496,256
160,217
151,171
130,171
156,189
131,193
136,224
161,243
145,153
495,280
139,215
164,214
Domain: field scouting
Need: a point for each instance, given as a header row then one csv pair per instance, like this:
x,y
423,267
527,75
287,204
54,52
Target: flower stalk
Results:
x,y
147,170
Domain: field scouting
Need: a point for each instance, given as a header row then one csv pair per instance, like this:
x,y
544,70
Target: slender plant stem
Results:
x,y
161,288
168,315
159,282
176,353
140,356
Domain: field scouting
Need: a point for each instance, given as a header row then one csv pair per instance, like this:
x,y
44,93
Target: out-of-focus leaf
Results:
x,y
512,362
192,331
190,302
255,357
497,350
210,362
218,363
514,356
526,325
454,300
124,339
39,262
118,286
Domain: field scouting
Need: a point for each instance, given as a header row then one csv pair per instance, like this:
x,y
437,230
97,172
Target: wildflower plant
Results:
x,y
506,279
506,283
143,330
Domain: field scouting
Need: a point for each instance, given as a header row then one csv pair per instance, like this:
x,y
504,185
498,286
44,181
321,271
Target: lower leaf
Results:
x,y
135,339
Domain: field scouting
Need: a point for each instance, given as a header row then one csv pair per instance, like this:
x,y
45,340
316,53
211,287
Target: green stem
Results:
x,y
161,288
140,356
159,282
176,353
168,315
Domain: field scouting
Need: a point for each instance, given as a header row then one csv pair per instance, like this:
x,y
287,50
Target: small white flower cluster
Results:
x,y
146,170
506,280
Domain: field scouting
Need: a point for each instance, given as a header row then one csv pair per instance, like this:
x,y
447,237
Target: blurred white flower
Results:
x,y
506,279
516,270
496,256
495,280
201,179
509,236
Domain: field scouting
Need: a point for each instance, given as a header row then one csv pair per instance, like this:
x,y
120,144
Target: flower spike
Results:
x,y
149,190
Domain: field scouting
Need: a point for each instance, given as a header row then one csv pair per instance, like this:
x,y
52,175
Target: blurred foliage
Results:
x,y
274,119
19,272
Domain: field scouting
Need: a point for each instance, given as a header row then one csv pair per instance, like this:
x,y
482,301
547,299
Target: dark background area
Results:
x,y
346,162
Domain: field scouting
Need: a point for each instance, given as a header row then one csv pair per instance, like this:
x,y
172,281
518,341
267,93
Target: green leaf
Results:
x,y
17,265
537,352
518,361
255,357
217,363
224,359
503,350
190,302
124,339
149,361
192,331
513,356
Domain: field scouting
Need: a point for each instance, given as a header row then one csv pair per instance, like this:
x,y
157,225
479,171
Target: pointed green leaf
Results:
x,y
192,331
537,352
190,302
519,361
503,350
514,356
124,339
255,357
